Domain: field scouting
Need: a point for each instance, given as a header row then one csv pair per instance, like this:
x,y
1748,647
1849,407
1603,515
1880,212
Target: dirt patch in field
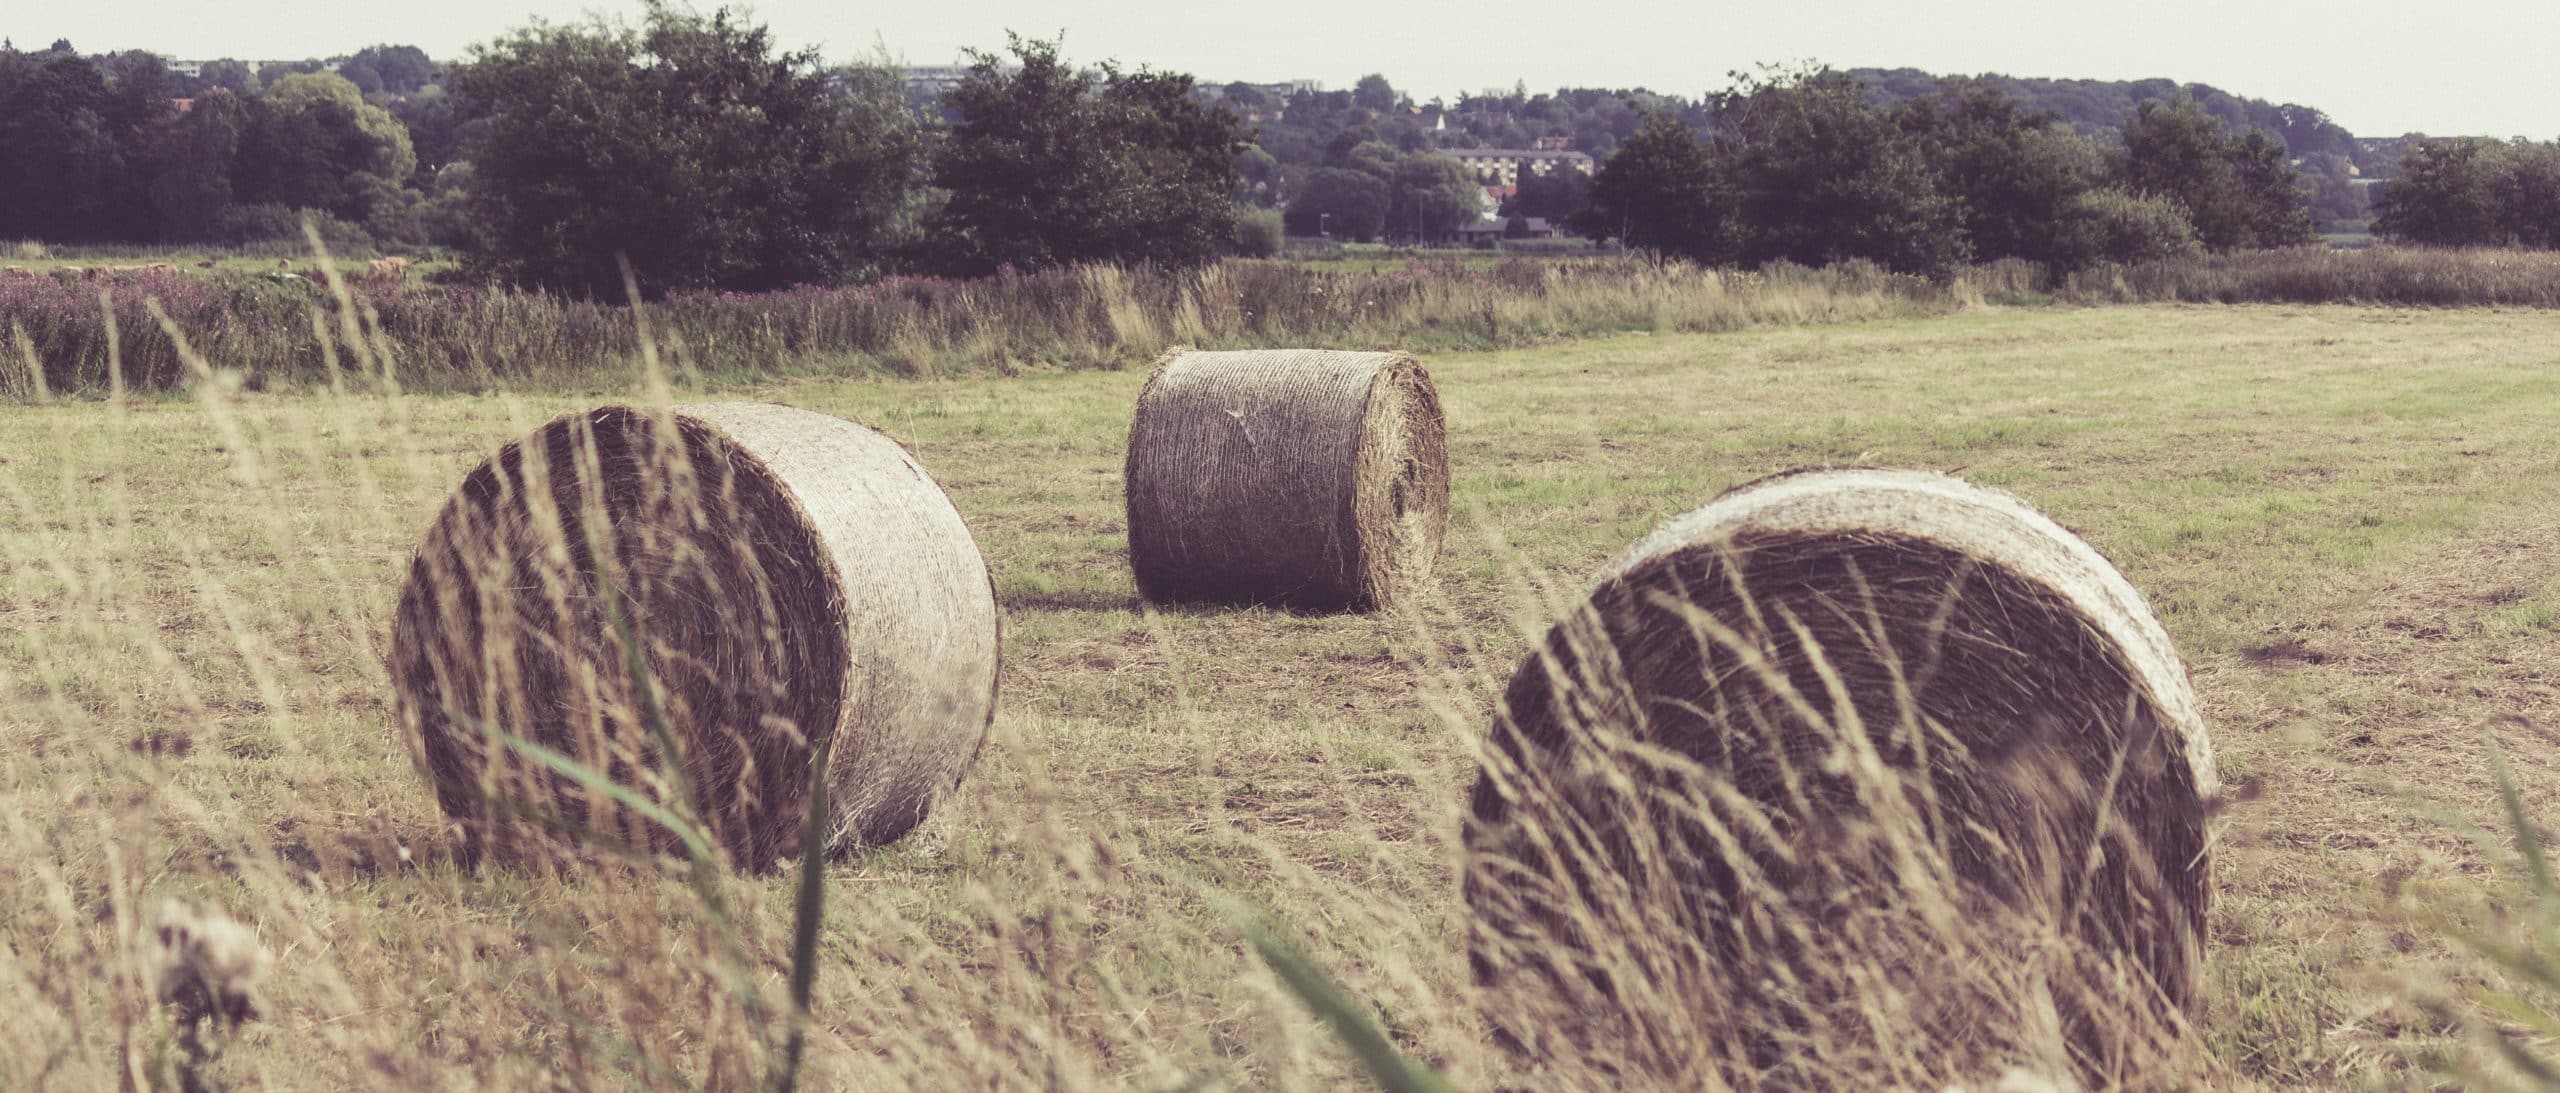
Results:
x,y
2353,739
2410,661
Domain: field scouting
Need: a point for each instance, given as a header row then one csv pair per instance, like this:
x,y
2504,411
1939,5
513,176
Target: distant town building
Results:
x,y
932,81
1506,166
1287,89
195,69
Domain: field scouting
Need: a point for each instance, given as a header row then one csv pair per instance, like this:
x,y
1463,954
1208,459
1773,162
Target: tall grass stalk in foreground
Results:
x,y
192,706
2513,1016
595,1049
1357,1026
1836,885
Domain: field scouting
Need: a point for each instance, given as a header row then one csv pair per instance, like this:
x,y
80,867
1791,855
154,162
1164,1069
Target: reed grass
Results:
x,y
259,328
2386,276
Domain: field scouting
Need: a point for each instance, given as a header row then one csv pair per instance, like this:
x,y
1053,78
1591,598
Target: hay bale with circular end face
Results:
x,y
1848,772
790,577
1306,478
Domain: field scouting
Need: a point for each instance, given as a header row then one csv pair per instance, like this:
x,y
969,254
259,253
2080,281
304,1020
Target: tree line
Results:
x,y
1807,167
691,151
99,150
2475,192
1303,130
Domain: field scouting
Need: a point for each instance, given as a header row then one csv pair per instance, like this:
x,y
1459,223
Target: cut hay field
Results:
x,y
2348,519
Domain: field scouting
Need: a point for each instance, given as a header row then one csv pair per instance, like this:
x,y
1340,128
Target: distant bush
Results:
x,y
2474,192
244,225
1552,248
1258,233
1808,168
2112,225
1339,203
2390,276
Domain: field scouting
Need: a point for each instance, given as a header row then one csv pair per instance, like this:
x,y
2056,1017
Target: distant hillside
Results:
x,y
2103,105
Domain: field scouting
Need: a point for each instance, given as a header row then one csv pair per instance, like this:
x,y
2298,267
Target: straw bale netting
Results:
x,y
1312,479
792,578
1852,772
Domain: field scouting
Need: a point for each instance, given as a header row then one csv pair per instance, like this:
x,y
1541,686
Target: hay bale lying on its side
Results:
x,y
1851,772
1307,478
791,577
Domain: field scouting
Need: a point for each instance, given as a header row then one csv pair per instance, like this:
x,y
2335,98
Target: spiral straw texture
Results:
x,y
791,577
1306,478
1852,757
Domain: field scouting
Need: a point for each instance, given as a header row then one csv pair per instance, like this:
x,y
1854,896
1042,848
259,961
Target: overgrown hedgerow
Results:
x,y
476,338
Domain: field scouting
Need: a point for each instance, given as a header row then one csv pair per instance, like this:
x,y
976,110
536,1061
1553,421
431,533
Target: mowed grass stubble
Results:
x,y
2348,519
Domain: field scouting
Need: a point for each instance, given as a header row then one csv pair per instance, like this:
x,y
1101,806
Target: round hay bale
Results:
x,y
1311,479
791,578
1848,772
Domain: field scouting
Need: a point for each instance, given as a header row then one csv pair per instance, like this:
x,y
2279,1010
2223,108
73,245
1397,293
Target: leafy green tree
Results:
x,y
399,70
1047,167
2533,194
438,129
1259,233
1555,195
233,76
2116,225
1662,192
1248,99
1375,158
1338,147
2238,191
2336,201
2273,193
2448,193
1823,177
2015,174
75,147
309,137
1342,203
1402,132
368,82
139,88
1373,92
191,182
692,147
1257,177
1430,196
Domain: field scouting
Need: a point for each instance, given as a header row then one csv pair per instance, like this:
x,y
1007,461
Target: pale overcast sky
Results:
x,y
2380,68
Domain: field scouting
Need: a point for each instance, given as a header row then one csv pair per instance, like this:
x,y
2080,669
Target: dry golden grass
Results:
x,y
2346,517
